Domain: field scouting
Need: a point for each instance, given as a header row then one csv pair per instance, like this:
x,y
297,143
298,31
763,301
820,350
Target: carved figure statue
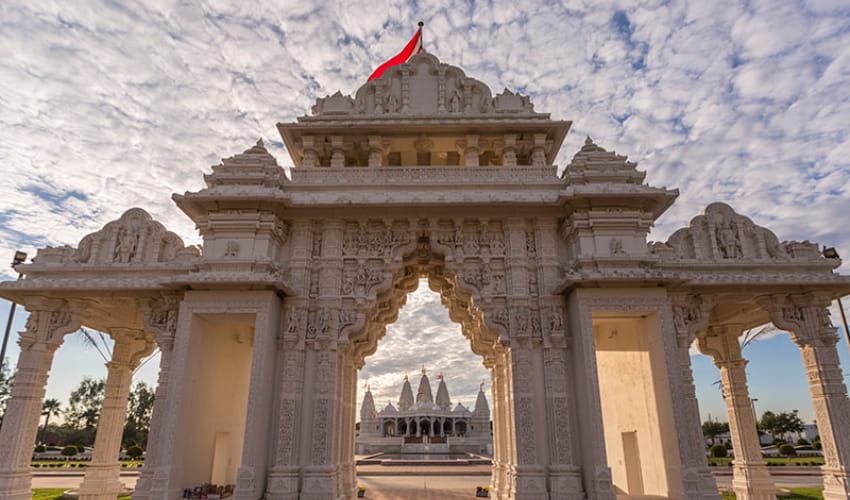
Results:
x,y
727,238
616,247
392,104
126,248
454,102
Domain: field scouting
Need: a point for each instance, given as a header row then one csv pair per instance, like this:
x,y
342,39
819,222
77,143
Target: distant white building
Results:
x,y
425,424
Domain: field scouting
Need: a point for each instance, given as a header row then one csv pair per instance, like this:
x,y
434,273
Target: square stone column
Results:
x,y
102,478
160,317
47,324
807,318
690,316
751,479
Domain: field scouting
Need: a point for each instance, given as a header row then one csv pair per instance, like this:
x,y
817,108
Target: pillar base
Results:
x,y
15,485
836,484
320,484
282,484
565,482
101,482
753,482
530,485
699,484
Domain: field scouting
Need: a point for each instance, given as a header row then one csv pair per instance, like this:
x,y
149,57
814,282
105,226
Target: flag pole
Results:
x,y
421,38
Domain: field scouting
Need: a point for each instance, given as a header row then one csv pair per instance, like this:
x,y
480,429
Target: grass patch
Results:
x,y
793,461
796,494
47,493
54,493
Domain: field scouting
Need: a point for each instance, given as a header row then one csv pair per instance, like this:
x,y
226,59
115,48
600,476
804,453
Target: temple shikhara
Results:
x,y
425,424
425,173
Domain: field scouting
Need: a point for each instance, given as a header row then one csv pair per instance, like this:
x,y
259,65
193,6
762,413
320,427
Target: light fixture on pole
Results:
x,y
19,258
831,253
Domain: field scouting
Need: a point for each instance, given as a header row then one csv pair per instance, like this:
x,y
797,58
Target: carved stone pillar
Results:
x,y
751,479
469,146
509,150
310,156
503,458
320,475
284,473
47,324
337,151
564,474
807,318
102,478
538,150
530,475
689,317
160,318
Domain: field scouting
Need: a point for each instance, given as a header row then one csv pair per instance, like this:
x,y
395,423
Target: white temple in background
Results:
x,y
424,424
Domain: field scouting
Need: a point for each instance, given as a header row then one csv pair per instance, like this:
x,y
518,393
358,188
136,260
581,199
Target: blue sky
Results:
x,y
107,105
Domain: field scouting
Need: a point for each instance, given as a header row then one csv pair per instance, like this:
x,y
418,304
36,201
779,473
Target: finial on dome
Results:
x,y
421,24
588,141
405,378
423,369
260,142
481,386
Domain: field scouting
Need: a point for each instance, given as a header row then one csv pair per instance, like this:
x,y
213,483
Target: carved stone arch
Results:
x,y
401,278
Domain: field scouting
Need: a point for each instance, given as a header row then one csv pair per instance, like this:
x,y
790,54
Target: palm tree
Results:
x,y
51,408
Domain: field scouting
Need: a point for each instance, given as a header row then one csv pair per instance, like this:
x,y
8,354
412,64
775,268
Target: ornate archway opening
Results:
x,y
439,425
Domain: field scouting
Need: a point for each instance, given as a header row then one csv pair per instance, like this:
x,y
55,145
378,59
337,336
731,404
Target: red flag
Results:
x,y
414,46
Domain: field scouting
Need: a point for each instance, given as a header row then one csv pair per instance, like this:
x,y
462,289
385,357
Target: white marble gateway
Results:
x,y
425,173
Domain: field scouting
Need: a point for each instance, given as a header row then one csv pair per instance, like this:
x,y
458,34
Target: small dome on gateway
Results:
x,y
460,408
389,409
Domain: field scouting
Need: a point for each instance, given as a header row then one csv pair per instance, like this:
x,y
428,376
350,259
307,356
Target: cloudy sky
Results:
x,y
108,105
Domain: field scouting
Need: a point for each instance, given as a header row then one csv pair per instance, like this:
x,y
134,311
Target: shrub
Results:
x,y
40,449
728,445
787,449
718,451
81,448
802,442
777,442
69,451
135,451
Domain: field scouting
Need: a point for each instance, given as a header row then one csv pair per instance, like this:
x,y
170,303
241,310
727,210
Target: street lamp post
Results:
x,y
20,257
831,253
755,416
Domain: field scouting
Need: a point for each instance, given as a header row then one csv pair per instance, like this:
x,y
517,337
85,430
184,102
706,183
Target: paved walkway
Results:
x,y
411,482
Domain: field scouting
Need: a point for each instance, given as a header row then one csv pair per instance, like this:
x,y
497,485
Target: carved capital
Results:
x,y
690,315
131,345
804,316
49,321
721,343
160,317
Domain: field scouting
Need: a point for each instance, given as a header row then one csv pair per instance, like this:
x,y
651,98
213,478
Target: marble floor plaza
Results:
x,y
425,173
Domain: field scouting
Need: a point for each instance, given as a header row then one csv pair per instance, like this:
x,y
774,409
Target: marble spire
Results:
x,y
406,399
443,400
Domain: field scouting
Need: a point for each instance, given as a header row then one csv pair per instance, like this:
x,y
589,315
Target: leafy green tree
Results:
x,y
50,408
139,411
135,452
5,388
780,424
85,402
713,429
718,451
787,450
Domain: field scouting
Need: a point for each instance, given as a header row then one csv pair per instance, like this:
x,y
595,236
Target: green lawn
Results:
x,y
725,462
796,494
53,493
56,464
